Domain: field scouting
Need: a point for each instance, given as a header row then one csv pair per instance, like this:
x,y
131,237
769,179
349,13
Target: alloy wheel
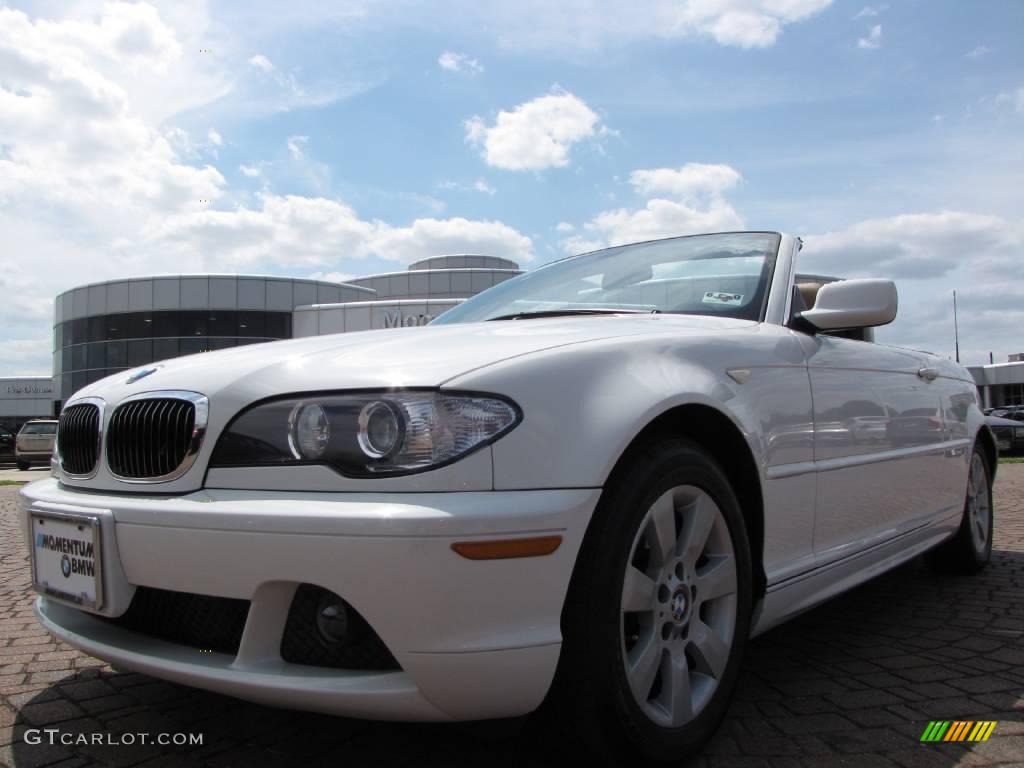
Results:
x,y
678,607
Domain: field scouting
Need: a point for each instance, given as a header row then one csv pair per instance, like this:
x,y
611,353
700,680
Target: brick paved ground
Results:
x,y
852,683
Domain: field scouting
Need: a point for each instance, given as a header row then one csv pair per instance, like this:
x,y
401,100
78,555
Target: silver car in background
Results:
x,y
34,444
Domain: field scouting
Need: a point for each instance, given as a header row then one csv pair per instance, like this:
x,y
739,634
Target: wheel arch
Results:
x,y
988,445
714,431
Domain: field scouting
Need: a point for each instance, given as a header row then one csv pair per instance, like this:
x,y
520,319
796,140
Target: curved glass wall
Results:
x,y
89,348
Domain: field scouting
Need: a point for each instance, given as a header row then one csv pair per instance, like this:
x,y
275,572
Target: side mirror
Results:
x,y
853,304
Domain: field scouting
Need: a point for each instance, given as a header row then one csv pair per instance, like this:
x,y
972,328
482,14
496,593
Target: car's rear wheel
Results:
x,y
970,548
659,609
23,465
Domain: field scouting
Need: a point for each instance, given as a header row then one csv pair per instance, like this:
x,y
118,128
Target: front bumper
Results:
x,y
474,639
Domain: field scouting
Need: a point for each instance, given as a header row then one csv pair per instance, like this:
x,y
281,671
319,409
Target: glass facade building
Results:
x,y
105,328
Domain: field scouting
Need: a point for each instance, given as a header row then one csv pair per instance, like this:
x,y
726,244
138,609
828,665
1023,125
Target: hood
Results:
x,y
403,357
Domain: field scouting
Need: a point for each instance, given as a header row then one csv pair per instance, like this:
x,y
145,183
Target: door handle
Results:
x,y
929,374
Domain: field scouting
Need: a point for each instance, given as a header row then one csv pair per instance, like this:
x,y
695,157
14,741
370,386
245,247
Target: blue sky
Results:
x,y
359,137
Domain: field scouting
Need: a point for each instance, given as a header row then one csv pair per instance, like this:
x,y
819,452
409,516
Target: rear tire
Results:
x,y
23,465
658,611
970,548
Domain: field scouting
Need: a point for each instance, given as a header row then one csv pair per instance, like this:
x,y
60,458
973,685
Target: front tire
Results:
x,y
23,465
970,548
659,609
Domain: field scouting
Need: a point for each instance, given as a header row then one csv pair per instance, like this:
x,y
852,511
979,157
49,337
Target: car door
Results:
x,y
878,435
958,397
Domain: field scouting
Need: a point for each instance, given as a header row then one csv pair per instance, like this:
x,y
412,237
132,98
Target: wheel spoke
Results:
x,y
644,661
676,694
638,591
697,522
716,580
663,527
710,651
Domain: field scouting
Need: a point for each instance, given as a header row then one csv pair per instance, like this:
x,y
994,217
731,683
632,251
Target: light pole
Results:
x,y
956,329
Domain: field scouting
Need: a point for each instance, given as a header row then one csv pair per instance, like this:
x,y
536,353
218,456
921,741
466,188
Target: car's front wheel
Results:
x,y
659,608
23,465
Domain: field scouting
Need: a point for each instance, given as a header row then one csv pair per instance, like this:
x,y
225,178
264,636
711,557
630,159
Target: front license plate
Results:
x,y
1003,445
66,558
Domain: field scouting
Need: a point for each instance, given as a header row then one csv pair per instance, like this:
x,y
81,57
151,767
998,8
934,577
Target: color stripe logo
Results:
x,y
958,730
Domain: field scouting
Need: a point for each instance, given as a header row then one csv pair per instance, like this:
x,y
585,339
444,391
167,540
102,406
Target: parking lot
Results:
x,y
852,683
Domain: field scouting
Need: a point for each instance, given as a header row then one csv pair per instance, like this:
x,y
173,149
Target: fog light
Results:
x,y
380,429
309,431
332,619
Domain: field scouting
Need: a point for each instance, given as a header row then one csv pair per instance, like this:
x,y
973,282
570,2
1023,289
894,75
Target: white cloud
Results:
x,y
594,24
252,171
564,226
917,245
978,52
214,137
1014,98
535,135
869,11
295,146
262,63
873,39
459,62
480,185
269,88
304,232
332,277
692,180
691,201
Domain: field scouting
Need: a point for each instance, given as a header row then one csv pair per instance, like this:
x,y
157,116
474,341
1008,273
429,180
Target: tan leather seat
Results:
x,y
809,293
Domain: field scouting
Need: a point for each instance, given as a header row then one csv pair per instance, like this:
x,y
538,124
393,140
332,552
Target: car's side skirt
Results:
x,y
786,599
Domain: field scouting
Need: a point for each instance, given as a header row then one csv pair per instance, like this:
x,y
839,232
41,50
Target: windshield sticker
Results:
x,y
729,299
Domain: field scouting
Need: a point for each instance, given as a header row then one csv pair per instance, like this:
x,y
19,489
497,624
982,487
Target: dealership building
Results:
x,y
1000,383
103,328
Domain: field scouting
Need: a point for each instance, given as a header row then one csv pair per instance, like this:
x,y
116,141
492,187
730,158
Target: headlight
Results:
x,y
1018,432
365,435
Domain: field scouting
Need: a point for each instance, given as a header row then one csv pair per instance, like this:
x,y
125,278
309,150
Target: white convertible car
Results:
x,y
585,488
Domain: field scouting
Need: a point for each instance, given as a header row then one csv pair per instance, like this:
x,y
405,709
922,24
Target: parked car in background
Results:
x,y
1015,412
1009,433
34,444
6,444
582,490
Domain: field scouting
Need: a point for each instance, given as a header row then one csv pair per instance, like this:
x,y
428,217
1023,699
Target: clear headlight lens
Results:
x,y
1018,432
366,435
309,431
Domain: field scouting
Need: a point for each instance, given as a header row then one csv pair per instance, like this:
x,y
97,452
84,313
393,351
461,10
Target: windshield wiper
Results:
x,y
566,311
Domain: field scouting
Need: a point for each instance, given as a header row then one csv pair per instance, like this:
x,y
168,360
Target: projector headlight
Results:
x,y
366,435
1018,432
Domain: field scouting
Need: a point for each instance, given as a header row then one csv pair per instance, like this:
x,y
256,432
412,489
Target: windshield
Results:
x,y
43,428
725,274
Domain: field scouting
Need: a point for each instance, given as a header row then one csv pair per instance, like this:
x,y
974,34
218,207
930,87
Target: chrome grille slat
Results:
x,y
154,437
78,439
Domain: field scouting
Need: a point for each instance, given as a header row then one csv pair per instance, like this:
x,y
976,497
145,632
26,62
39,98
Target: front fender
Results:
x,y
583,405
